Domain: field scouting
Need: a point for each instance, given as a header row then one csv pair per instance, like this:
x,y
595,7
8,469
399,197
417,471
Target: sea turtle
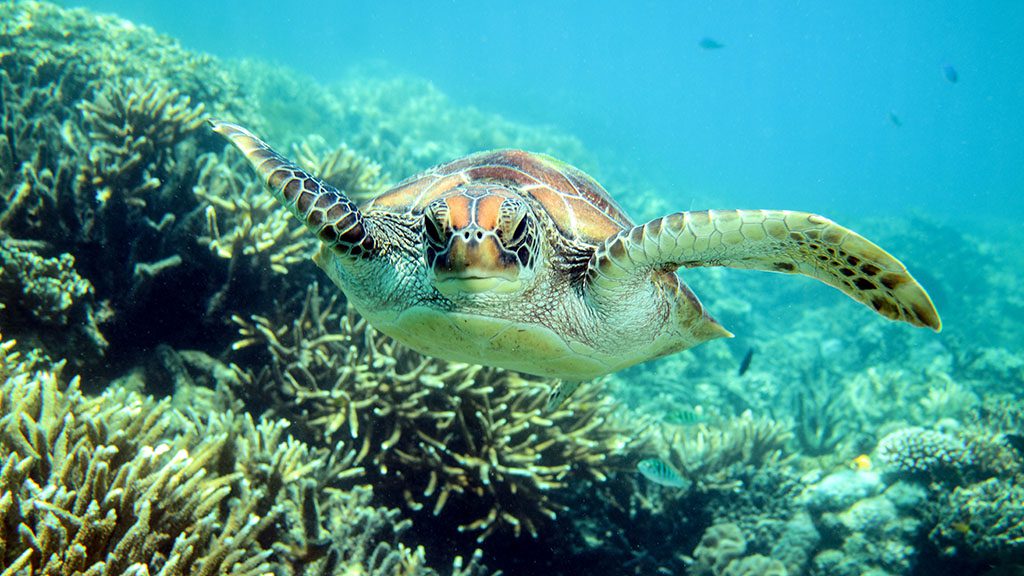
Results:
x,y
513,259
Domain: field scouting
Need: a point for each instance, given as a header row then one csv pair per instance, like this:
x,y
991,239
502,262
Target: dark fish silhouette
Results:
x,y
745,363
1015,441
894,119
710,44
950,73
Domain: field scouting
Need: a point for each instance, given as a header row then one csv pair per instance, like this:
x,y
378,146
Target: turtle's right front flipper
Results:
x,y
325,210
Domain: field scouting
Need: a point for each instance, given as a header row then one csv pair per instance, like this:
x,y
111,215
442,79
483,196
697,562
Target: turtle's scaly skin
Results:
x,y
517,260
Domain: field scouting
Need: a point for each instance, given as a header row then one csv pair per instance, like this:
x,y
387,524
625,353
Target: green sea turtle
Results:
x,y
517,260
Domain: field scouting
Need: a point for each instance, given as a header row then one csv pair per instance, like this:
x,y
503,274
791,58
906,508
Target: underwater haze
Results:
x,y
811,106
184,390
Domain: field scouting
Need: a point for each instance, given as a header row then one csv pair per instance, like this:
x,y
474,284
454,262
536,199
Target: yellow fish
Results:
x,y
862,462
961,527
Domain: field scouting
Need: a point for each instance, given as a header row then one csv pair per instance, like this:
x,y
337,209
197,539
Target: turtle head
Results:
x,y
480,239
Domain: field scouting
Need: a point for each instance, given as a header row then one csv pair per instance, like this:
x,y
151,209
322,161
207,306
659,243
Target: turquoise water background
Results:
x,y
796,111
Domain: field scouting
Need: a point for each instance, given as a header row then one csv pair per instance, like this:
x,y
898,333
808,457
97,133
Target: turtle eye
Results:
x,y
432,231
519,234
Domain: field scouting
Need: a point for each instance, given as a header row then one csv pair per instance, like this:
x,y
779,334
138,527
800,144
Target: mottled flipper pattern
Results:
x,y
325,210
772,240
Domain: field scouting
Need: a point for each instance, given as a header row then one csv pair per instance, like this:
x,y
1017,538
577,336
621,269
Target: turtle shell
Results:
x,y
579,207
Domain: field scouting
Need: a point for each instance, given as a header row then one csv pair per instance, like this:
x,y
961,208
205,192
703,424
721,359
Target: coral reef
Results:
x,y
875,535
981,524
718,547
54,305
100,139
442,435
723,457
721,552
251,235
354,174
920,453
124,484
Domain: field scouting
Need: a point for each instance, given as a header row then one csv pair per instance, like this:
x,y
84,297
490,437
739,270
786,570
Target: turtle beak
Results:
x,y
475,262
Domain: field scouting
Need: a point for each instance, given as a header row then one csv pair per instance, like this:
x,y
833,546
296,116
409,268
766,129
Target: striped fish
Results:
x,y
658,471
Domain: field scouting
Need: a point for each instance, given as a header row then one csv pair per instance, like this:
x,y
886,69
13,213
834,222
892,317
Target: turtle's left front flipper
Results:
x,y
324,209
771,240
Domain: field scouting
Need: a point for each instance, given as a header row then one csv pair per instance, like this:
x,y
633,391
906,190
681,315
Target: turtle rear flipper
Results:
x,y
771,240
324,209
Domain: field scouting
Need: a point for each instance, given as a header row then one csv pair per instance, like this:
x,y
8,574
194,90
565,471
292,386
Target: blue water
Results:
x,y
794,112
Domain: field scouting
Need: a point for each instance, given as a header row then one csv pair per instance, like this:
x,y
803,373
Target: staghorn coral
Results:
x,y
121,484
916,452
33,35
133,128
139,113
256,229
92,489
98,158
434,432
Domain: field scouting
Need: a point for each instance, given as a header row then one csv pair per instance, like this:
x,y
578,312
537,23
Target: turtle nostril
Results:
x,y
479,235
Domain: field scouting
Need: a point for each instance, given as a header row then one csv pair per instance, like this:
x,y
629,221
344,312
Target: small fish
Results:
x,y
894,119
560,394
710,44
745,363
684,417
950,73
862,462
662,474
961,527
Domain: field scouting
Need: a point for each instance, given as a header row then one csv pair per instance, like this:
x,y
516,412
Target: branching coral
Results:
x,y
134,127
345,169
255,228
97,159
436,432
120,484
720,458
